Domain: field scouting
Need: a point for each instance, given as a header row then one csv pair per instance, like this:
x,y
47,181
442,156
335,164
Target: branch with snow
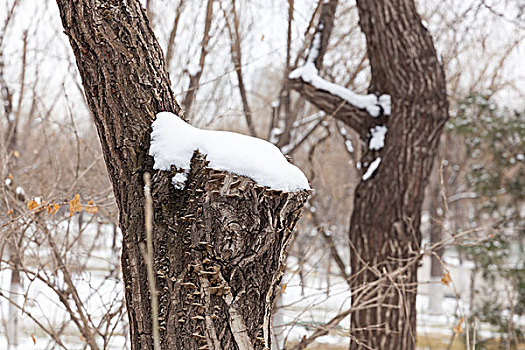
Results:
x,y
325,95
374,105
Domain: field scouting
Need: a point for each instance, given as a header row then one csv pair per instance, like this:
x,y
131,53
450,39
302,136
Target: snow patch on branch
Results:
x,y
371,169
20,191
371,103
385,101
378,137
316,46
194,69
173,142
349,146
179,180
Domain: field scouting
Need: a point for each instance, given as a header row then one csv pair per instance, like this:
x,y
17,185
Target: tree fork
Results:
x,y
219,243
384,230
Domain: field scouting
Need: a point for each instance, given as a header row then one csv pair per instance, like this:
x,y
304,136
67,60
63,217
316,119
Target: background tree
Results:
x,y
495,139
384,227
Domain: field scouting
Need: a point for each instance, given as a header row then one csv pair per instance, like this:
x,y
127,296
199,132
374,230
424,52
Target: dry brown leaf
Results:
x,y
10,211
32,204
91,208
446,279
283,288
34,339
16,154
459,328
52,208
75,205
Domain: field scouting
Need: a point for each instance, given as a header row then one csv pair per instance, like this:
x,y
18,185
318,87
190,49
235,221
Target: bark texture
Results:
x,y
219,244
384,230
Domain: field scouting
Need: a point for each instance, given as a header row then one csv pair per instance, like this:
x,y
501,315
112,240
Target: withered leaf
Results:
x,y
52,208
459,328
91,208
75,205
32,204
446,279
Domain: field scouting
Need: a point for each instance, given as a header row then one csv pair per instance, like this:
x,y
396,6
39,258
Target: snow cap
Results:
x,y
173,142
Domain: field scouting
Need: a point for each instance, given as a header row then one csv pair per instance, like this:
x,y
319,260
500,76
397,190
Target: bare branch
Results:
x,y
196,76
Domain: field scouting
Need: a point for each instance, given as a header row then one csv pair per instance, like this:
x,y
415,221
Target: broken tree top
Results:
x,y
173,142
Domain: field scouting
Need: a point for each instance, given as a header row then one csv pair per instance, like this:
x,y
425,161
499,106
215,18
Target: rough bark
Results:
x,y
219,243
384,230
385,223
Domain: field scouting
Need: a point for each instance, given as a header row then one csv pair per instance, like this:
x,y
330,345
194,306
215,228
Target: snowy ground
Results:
x,y
303,308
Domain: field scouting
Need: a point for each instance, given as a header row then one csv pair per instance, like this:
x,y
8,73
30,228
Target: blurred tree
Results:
x,y
495,140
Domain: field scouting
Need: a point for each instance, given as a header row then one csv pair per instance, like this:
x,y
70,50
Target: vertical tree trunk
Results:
x,y
219,243
384,229
10,142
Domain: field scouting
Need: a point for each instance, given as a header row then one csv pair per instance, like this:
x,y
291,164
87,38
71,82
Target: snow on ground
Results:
x,y
322,296
173,142
100,290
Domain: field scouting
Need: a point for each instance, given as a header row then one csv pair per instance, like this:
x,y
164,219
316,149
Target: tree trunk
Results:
x,y
13,249
384,229
220,243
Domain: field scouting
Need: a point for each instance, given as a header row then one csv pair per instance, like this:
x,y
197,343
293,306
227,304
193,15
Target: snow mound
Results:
x,y
173,142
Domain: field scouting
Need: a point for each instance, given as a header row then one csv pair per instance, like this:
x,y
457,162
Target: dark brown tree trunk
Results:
x,y
220,243
384,230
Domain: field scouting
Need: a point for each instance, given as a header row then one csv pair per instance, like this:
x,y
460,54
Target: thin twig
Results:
x,y
148,209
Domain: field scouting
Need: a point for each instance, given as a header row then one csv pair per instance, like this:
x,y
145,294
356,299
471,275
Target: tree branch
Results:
x,y
355,118
236,55
360,112
195,77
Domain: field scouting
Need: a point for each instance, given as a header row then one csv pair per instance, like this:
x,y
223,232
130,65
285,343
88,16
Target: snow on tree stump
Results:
x,y
220,245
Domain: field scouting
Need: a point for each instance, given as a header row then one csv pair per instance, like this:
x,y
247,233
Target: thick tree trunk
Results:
x,y
219,243
384,229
